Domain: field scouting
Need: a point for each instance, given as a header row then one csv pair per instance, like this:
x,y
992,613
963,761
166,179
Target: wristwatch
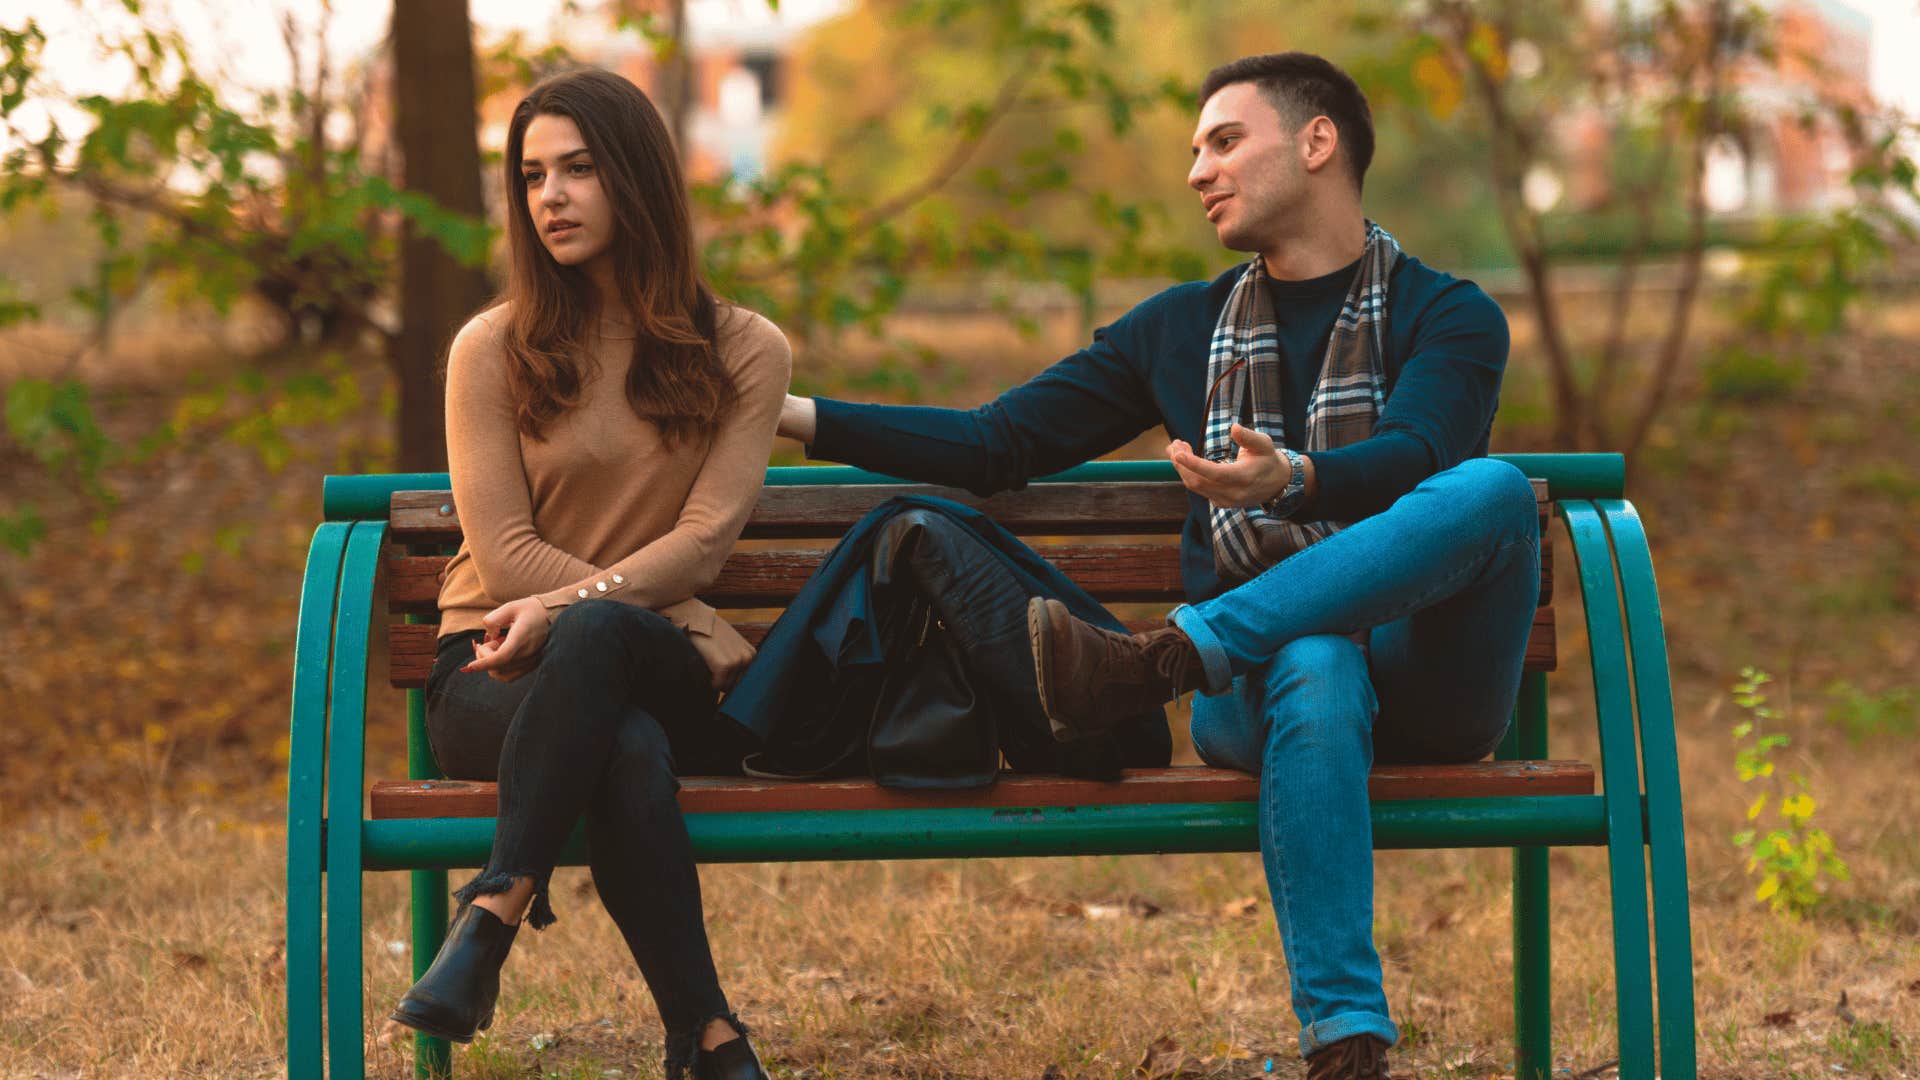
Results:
x,y
1284,504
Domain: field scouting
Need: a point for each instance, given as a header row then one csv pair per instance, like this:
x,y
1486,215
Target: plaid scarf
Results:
x,y
1243,368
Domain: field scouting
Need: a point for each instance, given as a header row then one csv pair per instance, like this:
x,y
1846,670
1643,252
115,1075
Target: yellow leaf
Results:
x,y
1767,888
1438,84
1486,47
1759,804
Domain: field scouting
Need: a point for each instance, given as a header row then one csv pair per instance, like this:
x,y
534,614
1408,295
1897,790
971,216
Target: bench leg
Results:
x,y
1620,774
432,1058
306,778
1532,909
1666,825
346,799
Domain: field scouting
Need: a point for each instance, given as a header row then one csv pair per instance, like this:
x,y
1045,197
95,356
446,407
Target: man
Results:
x,y
1361,579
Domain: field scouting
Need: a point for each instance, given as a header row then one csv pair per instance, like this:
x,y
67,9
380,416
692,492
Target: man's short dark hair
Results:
x,y
1301,86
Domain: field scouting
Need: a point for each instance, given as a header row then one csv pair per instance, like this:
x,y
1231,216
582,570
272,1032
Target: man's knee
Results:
x,y
1319,691
1494,487
1223,734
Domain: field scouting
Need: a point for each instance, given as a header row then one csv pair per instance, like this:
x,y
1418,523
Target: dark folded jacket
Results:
x,y
808,694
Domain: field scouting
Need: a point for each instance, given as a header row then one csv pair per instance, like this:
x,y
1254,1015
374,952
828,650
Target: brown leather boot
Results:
x,y
1090,678
1362,1057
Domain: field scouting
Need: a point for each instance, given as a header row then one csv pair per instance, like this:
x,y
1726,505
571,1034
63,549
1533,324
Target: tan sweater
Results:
x,y
601,508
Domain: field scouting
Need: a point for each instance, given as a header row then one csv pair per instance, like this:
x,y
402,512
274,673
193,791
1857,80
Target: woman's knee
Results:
x,y
604,621
639,769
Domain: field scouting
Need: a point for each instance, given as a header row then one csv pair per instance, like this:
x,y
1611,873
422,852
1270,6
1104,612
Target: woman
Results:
x,y
608,427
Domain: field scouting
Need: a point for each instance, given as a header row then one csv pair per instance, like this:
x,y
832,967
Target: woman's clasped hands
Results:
x,y
517,632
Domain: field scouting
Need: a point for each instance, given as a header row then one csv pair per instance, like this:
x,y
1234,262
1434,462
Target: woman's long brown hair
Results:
x,y
674,377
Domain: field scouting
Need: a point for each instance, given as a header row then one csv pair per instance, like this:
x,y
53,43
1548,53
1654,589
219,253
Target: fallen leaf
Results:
x,y
1163,1061
1230,1052
1441,920
1053,1072
1138,907
1245,905
1783,1018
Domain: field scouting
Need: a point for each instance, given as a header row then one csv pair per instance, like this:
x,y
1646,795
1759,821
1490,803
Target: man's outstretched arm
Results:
x,y
1085,405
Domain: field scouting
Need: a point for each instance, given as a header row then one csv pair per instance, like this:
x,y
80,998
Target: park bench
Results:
x,y
372,581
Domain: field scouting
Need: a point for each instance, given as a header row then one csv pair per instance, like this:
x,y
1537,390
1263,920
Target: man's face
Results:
x,y
1246,166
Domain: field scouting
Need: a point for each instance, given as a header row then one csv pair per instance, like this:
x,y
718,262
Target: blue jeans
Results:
x,y
1442,586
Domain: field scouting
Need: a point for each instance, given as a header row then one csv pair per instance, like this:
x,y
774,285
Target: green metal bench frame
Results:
x,y
1637,817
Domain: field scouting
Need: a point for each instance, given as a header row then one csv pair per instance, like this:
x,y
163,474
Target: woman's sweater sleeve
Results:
x,y
688,557
496,510
489,478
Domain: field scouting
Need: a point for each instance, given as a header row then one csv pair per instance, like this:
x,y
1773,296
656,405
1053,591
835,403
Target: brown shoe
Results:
x,y
1362,1057
1090,678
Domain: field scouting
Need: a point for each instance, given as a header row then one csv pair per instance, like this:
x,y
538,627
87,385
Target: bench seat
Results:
x,y
1181,784
371,590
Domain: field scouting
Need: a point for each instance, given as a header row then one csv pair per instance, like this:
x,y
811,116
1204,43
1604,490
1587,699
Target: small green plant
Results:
x,y
1739,373
1796,861
1864,715
1865,1046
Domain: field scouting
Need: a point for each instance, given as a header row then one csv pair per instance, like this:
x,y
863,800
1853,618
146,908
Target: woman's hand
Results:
x,y
516,632
727,653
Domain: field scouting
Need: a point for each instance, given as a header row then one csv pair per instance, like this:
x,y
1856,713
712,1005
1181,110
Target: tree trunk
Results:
x,y
676,78
436,121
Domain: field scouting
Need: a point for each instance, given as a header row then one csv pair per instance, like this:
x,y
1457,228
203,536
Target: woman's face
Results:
x,y
564,197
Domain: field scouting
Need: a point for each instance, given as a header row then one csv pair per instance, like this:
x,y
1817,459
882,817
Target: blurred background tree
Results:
x,y
1031,150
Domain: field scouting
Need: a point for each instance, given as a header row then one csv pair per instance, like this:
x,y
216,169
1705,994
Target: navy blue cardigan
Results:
x,y
1446,352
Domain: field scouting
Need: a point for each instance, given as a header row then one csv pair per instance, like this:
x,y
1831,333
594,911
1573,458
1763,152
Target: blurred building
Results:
x,y
738,52
1789,156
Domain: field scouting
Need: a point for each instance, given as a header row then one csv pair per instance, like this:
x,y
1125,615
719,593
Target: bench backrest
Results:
x,y
1117,539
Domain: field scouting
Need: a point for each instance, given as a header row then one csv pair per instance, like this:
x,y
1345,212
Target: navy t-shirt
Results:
x,y
1446,351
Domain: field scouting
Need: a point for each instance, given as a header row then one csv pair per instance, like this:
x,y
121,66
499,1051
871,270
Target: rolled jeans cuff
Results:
x,y
1321,1034
1214,665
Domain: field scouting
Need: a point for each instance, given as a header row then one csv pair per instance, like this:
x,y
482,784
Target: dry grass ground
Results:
x,y
140,845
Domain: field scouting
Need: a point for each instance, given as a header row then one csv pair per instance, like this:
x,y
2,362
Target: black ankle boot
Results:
x,y
731,1060
455,997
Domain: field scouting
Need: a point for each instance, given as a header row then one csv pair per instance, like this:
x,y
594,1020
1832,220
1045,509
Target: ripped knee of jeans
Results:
x,y
684,1046
494,882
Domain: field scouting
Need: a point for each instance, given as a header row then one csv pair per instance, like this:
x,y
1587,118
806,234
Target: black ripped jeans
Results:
x,y
595,731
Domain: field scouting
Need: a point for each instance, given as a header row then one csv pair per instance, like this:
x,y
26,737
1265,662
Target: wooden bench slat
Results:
x,y
411,647
828,510
752,579
1181,784
1111,572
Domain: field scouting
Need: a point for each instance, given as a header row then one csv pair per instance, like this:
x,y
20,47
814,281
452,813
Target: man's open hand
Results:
x,y
1256,475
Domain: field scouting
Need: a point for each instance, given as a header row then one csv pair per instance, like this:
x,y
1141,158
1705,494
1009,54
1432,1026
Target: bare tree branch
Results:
x,y
1508,151
1709,122
961,152
1645,200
